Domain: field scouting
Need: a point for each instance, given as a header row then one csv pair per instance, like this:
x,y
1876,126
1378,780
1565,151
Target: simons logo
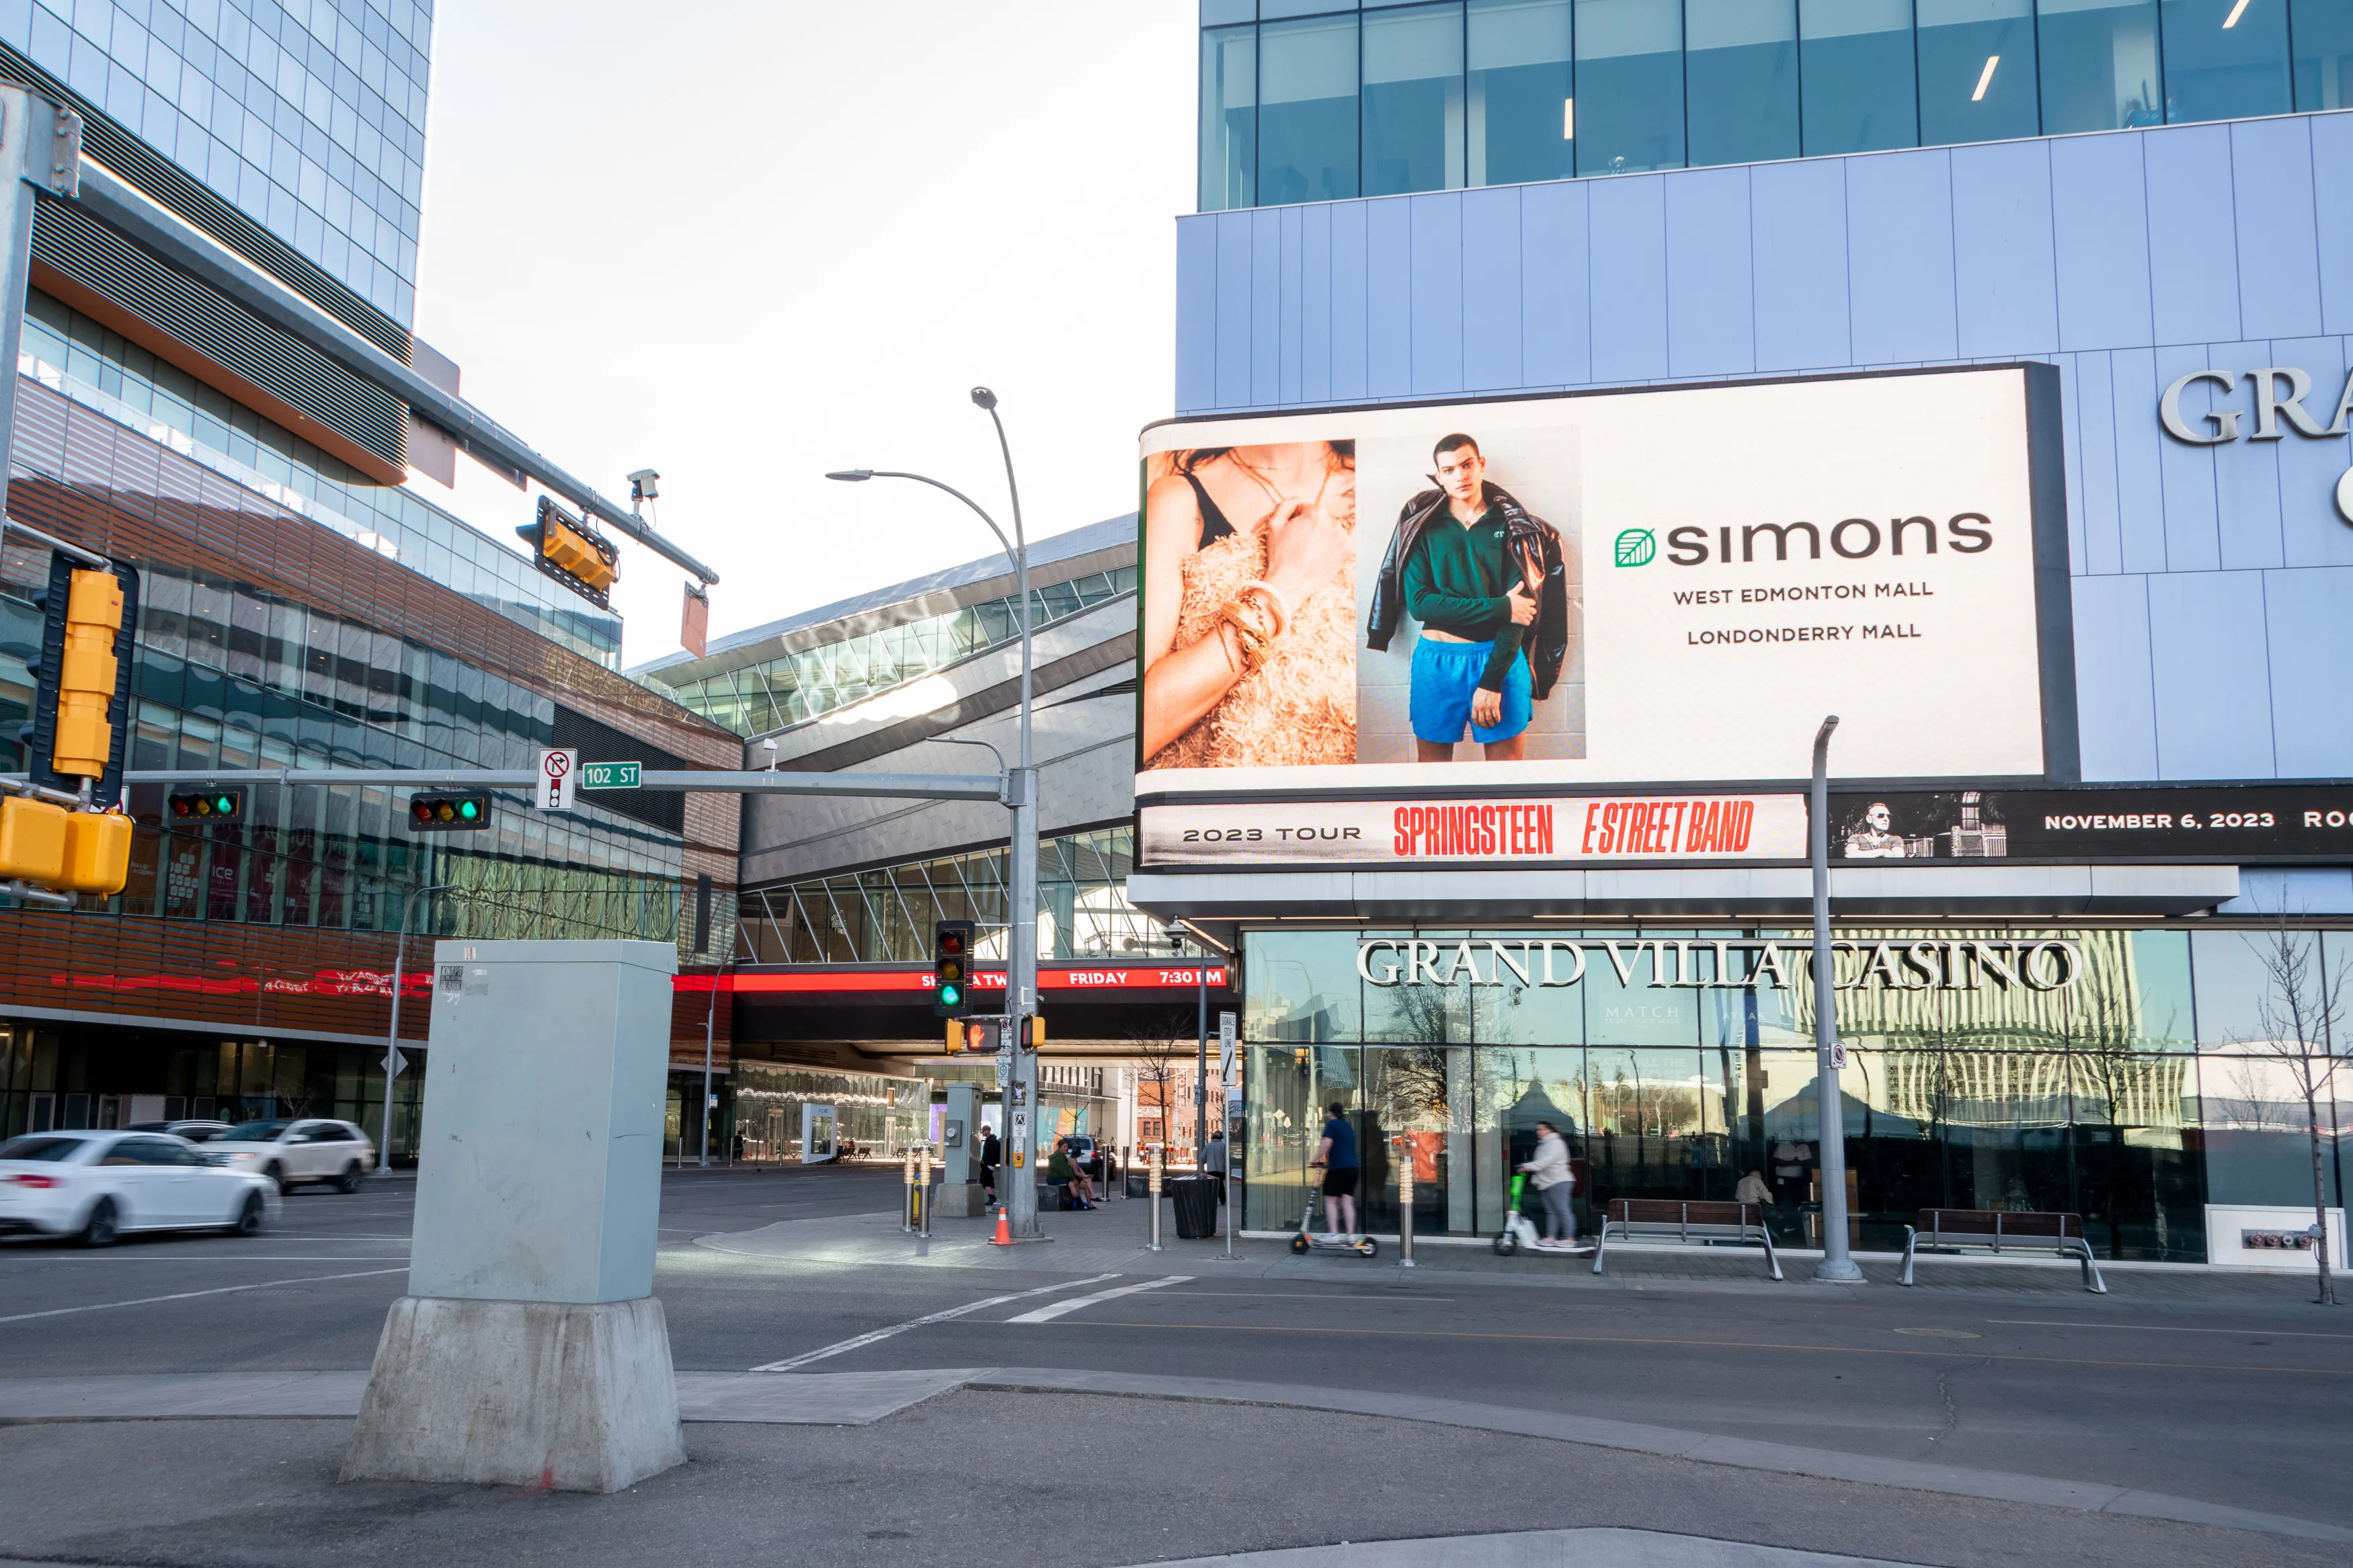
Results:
x,y
1856,539
1637,547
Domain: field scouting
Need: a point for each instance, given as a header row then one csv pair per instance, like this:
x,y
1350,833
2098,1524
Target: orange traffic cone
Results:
x,y
1003,1237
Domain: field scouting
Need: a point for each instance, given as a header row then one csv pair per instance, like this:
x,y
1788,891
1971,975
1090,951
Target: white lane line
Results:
x,y
2168,1329
1048,1314
880,1334
191,1295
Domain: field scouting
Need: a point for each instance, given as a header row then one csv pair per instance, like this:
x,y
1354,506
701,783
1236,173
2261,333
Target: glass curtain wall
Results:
x,y
1740,69
2162,1078
2322,32
1307,110
1977,70
1229,117
1522,107
1630,84
1412,100
2225,59
2098,65
1857,61
1483,92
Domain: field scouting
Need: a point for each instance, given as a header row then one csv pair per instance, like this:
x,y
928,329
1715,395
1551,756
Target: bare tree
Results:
x,y
2301,1014
1159,1058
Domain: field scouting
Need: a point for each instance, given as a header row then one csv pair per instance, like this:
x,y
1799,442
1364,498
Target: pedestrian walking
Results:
x,y
991,1151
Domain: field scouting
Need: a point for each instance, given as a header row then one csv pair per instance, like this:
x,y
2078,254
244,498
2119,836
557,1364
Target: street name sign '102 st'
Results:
x,y
611,776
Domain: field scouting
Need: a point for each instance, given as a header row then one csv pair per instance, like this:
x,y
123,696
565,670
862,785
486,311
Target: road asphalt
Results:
x,y
2214,1393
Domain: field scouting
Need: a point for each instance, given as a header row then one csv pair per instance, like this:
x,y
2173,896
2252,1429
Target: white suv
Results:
x,y
293,1152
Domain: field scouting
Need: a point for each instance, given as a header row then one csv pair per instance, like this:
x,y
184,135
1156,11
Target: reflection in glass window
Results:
x,y
1229,117
2134,992
2098,65
1521,106
1859,94
2258,1132
1303,985
1629,86
1307,110
2322,31
1413,100
1742,75
2239,1000
1977,70
2225,59
1436,1010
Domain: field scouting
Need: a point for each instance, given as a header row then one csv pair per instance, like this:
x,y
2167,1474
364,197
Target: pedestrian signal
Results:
x,y
951,969
452,811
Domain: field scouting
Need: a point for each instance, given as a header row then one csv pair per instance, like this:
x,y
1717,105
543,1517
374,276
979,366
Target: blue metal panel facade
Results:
x,y
2214,583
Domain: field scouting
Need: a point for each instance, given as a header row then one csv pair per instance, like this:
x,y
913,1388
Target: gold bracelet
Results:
x,y
1274,601
1252,640
1254,617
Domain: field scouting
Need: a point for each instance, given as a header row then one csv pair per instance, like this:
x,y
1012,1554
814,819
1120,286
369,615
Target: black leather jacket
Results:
x,y
1532,541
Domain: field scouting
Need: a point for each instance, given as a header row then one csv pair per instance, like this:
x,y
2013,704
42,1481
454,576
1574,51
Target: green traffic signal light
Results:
x,y
224,804
951,995
468,810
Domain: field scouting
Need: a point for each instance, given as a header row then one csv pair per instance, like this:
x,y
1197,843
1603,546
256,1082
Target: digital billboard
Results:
x,y
1633,593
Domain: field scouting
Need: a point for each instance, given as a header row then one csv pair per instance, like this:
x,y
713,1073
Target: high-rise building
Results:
x,y
1507,217
304,603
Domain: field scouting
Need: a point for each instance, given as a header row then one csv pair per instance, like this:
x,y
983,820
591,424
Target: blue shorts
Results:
x,y
1445,676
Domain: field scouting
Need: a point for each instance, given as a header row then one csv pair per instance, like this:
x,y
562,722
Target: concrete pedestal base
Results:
x,y
567,1396
960,1201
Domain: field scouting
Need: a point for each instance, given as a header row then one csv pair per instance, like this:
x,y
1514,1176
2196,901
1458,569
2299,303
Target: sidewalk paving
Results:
x,y
859,1399
1112,1237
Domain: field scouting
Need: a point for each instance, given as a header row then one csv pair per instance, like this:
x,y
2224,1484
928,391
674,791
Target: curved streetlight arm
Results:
x,y
926,479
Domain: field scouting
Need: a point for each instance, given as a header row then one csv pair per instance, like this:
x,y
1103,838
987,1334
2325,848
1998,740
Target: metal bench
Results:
x,y
1954,1231
1671,1219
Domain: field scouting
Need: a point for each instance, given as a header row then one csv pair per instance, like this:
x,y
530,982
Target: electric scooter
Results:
x,y
1519,1231
1308,1241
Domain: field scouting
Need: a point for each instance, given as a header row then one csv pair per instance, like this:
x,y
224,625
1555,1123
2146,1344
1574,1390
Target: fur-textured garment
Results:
x,y
1299,708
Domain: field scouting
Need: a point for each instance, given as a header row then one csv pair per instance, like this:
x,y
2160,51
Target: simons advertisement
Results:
x,y
1482,599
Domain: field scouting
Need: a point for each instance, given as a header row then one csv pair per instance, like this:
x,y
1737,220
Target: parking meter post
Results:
x,y
907,1177
1405,1204
923,1195
1152,1184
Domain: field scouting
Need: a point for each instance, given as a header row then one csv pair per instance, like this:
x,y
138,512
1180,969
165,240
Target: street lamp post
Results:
x,y
391,1037
1021,798
1830,1110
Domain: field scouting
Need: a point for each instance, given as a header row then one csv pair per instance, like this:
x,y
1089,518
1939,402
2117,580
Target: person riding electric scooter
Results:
x,y
1336,1156
1556,1183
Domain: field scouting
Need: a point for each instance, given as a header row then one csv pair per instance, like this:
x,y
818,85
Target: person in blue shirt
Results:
x,y
1337,1156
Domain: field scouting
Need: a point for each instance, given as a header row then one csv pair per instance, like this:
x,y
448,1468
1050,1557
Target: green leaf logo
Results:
x,y
1637,547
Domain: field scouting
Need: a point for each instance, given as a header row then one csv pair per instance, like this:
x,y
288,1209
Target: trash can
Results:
x,y
1197,1207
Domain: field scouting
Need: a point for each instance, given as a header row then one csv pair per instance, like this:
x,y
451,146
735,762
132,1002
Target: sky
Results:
x,y
743,242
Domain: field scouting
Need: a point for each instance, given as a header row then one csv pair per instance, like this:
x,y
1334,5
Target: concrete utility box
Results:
x,y
539,1175
530,1349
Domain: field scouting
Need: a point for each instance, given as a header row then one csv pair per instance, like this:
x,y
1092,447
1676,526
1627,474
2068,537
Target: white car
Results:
x,y
291,1152
96,1185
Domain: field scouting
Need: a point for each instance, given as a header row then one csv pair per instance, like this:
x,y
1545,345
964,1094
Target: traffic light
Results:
x,y
451,811
81,715
951,969
567,549
206,804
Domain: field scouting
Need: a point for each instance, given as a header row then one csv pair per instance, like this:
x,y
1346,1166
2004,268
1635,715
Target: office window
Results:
x,y
1522,109
2098,65
1413,100
2322,30
1629,86
1307,110
2225,59
1742,77
1859,93
1977,70
1229,117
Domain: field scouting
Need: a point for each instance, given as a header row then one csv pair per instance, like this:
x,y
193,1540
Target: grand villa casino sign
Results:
x,y
1726,963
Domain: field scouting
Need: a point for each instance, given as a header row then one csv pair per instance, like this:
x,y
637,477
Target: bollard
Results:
x,y
923,1195
907,1210
1153,1184
1405,1205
